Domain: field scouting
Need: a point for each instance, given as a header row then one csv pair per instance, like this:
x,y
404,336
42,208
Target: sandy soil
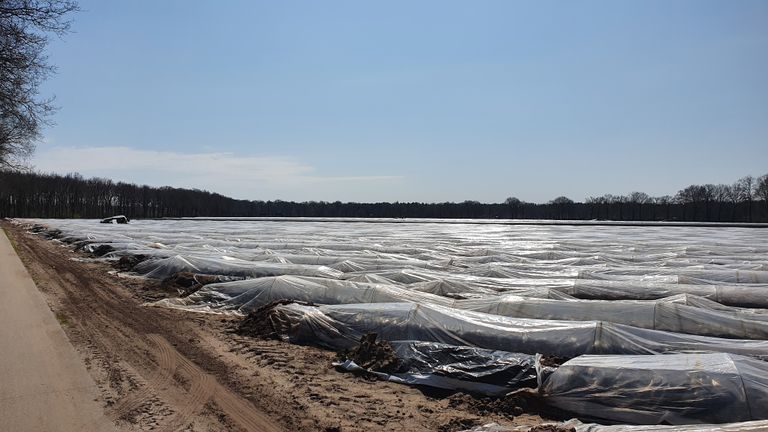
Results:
x,y
164,370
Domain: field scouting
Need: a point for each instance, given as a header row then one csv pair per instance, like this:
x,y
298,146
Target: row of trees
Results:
x,y
26,194
709,202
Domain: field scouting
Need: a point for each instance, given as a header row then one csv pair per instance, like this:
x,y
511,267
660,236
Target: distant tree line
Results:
x,y
27,194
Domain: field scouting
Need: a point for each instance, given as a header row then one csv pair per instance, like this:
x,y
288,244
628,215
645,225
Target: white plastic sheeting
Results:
x,y
710,273
727,265
674,314
341,326
669,315
248,295
644,288
743,295
671,389
732,255
166,267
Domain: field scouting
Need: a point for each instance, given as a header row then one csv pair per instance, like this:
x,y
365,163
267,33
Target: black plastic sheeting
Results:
x,y
751,426
462,362
462,368
661,389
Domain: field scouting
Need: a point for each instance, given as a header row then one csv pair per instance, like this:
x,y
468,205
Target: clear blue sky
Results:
x,y
404,100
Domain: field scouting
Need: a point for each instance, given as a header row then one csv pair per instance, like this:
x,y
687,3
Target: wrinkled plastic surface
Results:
x,y
341,326
166,267
672,389
462,368
743,295
673,315
685,314
479,254
251,294
726,265
708,272
512,370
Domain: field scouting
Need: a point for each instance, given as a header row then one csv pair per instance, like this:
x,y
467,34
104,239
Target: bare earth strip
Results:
x,y
44,386
164,370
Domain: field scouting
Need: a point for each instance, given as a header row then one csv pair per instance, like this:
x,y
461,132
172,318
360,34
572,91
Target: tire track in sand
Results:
x,y
204,388
201,389
167,364
119,327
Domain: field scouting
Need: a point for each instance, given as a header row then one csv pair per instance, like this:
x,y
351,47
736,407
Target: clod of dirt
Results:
x,y
458,424
102,250
511,405
186,283
128,262
258,324
377,356
552,361
43,230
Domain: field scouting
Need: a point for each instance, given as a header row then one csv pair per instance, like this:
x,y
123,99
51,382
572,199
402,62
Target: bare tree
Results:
x,y
721,194
744,188
25,26
638,197
691,197
761,190
665,201
636,201
562,204
561,200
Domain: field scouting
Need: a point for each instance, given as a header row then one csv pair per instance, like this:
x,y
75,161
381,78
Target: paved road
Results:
x,y
44,386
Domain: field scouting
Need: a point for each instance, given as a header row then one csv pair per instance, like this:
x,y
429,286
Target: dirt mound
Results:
x,y
458,424
258,324
36,228
102,250
506,406
128,262
50,234
186,283
511,405
373,355
552,361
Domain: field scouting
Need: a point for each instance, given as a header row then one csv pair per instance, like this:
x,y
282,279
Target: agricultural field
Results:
x,y
534,324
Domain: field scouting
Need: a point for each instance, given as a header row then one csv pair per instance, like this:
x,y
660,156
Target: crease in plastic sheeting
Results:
x,y
743,387
684,388
395,321
166,267
452,367
248,295
429,380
